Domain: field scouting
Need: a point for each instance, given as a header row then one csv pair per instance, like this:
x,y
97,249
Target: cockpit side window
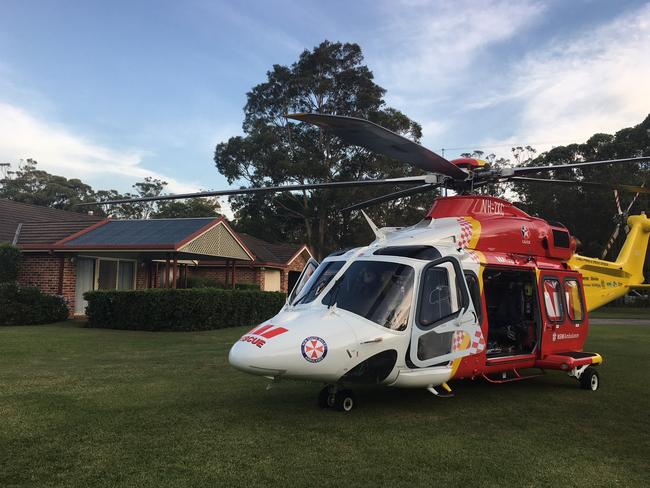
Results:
x,y
319,280
437,301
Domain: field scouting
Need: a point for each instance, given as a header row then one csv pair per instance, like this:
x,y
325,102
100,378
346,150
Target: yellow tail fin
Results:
x,y
605,281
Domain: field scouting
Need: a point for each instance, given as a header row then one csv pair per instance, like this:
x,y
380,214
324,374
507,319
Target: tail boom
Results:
x,y
605,281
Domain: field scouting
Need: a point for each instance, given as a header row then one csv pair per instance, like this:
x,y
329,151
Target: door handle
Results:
x,y
378,339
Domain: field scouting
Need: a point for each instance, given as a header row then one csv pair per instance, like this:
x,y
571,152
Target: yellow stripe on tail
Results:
x,y
605,281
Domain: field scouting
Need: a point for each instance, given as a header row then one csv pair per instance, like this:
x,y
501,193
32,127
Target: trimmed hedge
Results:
x,y
10,261
27,305
207,282
180,310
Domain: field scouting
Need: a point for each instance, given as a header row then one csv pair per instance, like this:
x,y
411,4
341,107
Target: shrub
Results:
x,y
207,282
180,310
27,305
203,282
10,259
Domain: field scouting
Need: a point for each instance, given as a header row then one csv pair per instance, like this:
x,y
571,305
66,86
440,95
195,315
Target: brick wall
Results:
x,y
243,274
53,274
250,274
298,265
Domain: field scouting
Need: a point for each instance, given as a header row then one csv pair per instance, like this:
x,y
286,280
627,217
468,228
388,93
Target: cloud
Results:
x,y
431,44
59,151
572,88
430,55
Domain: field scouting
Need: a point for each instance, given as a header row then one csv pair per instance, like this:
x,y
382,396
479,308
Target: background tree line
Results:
x,y
29,184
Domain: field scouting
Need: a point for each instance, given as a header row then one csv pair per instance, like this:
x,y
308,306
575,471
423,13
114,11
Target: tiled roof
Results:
x,y
32,233
267,252
163,233
14,213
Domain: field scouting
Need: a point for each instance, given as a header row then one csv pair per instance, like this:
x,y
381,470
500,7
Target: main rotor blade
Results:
x,y
270,189
523,170
589,184
361,132
391,196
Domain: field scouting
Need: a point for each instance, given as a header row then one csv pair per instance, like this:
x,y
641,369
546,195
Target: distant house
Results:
x,y
68,253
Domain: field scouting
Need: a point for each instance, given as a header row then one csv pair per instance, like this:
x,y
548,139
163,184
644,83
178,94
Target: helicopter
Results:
x,y
478,289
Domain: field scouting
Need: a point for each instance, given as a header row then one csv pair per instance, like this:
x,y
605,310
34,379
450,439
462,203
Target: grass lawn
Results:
x,y
620,312
84,407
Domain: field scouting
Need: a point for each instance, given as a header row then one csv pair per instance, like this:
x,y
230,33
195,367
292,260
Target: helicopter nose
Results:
x,y
250,359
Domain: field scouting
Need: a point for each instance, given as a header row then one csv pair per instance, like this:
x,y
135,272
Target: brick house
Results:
x,y
276,267
67,253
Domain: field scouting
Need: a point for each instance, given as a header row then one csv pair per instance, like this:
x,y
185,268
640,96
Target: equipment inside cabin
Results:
x,y
511,312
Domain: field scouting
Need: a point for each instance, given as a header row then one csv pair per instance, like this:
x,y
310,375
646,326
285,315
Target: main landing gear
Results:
x,y
342,400
587,376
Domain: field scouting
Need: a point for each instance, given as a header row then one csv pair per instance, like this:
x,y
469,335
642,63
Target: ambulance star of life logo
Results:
x,y
314,349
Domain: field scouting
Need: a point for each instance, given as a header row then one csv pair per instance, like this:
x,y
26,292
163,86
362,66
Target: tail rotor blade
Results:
x,y
611,240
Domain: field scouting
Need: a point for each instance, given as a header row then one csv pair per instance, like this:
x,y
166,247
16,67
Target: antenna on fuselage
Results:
x,y
378,233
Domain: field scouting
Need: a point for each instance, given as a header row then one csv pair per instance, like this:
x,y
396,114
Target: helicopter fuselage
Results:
x,y
476,289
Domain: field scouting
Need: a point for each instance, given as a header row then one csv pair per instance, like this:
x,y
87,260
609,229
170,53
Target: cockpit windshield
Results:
x,y
379,291
318,281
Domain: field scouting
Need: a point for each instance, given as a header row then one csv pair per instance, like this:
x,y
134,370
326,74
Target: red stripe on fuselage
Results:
x,y
274,332
261,329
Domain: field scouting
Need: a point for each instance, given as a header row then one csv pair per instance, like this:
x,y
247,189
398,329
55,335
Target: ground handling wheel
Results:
x,y
344,401
589,379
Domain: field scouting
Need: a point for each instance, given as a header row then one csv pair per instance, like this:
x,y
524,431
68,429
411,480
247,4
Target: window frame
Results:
x,y
561,318
478,307
117,274
580,300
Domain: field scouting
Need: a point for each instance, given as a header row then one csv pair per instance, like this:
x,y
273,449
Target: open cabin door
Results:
x,y
307,271
446,324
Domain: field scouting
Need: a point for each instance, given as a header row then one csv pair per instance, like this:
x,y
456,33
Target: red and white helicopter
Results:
x,y
477,289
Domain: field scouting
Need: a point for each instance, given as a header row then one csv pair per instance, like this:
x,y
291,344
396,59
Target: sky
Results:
x,y
112,92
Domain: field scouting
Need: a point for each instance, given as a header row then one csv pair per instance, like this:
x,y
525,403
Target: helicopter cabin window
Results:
x,y
553,300
574,305
436,299
376,290
319,280
512,310
439,300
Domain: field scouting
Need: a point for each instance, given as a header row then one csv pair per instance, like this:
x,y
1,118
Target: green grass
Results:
x,y
84,407
620,313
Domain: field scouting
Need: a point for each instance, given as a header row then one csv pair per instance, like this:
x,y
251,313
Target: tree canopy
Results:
x,y
590,214
329,79
29,184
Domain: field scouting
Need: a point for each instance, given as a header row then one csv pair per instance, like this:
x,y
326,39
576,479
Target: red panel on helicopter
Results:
x,y
507,229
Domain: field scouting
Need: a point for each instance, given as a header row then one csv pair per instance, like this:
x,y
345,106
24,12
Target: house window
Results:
x,y
114,274
126,275
107,276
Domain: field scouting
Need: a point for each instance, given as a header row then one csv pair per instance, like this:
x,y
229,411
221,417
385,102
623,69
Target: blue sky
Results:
x,y
111,92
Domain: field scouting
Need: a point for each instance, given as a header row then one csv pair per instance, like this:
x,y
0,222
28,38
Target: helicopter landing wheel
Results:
x,y
590,379
344,400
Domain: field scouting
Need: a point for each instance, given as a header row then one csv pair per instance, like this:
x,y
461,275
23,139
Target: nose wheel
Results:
x,y
341,400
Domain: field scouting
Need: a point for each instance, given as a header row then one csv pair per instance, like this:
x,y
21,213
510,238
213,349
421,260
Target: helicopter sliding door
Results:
x,y
446,325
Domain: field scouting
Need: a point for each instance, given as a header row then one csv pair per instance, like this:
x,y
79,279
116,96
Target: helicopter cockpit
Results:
x,y
380,286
